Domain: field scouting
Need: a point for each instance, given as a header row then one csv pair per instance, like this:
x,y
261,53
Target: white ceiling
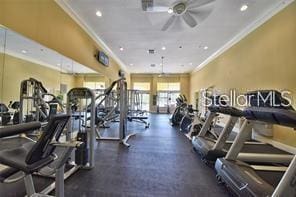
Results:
x,y
124,24
15,44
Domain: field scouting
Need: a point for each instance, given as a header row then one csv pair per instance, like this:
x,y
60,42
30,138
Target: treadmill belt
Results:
x,y
272,178
266,148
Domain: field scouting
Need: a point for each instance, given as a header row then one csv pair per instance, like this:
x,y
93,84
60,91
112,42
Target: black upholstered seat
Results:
x,y
16,158
32,156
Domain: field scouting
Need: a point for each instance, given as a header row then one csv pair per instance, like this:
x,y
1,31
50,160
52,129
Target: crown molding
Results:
x,y
246,31
90,32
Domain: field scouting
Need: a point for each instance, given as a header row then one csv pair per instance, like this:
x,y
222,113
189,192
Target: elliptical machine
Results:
x,y
187,119
179,111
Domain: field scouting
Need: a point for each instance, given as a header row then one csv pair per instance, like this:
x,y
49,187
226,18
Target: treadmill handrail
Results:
x,y
228,110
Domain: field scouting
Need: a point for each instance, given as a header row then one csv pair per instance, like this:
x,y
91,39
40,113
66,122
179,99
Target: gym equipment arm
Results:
x,y
109,89
19,129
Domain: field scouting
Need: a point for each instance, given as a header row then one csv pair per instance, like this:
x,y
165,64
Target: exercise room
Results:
x,y
160,98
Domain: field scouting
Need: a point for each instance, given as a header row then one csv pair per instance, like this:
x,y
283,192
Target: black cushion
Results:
x,y
137,117
32,156
16,158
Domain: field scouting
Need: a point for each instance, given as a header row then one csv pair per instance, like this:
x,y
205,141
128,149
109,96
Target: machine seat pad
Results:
x,y
137,117
228,110
16,158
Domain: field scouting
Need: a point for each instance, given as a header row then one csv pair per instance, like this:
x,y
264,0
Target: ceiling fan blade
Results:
x,y
198,3
168,23
157,9
200,14
189,19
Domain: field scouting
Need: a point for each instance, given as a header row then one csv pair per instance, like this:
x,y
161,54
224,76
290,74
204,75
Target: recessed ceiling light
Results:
x,y
244,7
24,51
58,64
163,48
99,13
170,10
121,48
160,64
205,47
131,64
190,64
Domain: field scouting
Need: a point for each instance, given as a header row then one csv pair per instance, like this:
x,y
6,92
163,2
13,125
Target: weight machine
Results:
x,y
75,152
83,120
122,100
33,97
135,108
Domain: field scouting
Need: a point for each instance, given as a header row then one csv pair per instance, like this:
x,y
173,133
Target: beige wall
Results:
x,y
45,22
91,78
15,70
265,59
153,79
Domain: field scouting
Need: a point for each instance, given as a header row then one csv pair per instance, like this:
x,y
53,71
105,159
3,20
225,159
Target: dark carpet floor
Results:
x,y
159,162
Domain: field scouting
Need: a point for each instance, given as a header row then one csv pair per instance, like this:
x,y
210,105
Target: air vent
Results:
x,y
151,51
152,65
147,4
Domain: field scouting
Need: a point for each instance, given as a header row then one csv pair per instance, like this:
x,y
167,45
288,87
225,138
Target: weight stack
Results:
x,y
81,153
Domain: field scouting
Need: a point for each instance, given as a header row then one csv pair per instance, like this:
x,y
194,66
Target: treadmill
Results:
x,y
247,180
253,151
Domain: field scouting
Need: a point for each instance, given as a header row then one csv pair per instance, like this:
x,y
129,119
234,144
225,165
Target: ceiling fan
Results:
x,y
162,74
191,12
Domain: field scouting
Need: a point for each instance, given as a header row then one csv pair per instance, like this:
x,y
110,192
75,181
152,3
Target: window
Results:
x,y
167,93
94,85
162,99
142,86
145,101
168,86
173,96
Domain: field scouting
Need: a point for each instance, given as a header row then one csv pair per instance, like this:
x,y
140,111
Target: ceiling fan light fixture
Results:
x,y
163,48
99,13
170,10
179,8
244,8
